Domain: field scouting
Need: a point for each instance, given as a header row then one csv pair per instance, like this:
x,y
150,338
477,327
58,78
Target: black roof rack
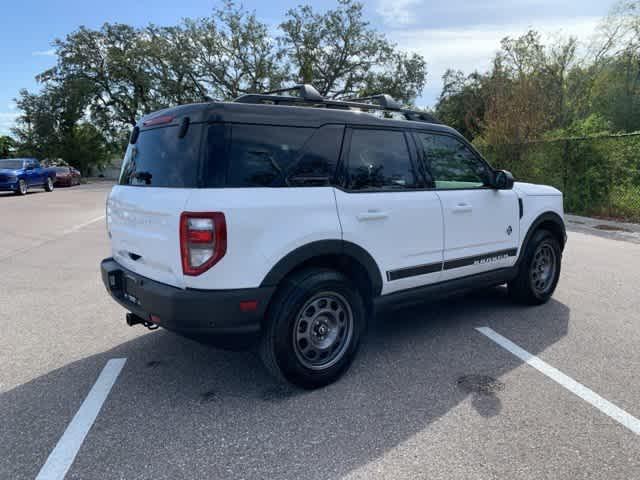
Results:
x,y
309,96
306,92
381,99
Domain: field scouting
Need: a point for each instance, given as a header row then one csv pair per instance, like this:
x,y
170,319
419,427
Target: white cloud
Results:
x,y
44,53
7,120
472,48
396,12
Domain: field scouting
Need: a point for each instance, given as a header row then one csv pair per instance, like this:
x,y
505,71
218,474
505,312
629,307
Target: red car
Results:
x,y
66,176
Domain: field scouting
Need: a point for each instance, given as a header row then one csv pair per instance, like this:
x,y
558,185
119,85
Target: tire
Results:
x,y
315,310
23,188
539,270
48,185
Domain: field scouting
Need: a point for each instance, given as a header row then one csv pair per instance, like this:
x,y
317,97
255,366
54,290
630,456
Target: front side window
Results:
x,y
379,160
451,163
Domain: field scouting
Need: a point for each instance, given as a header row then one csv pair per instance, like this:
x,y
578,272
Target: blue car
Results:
x,y
19,174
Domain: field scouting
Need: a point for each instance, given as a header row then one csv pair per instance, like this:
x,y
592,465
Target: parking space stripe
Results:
x,y
62,456
82,225
567,382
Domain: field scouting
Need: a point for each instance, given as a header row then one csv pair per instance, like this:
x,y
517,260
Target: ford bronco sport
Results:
x,y
292,217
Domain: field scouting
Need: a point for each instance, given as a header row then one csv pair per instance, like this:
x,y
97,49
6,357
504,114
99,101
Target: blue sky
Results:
x,y
462,34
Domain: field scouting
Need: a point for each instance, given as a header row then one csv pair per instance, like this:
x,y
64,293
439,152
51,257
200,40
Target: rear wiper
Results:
x,y
143,176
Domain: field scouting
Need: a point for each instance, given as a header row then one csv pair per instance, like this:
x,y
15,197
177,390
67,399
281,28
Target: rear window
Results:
x,y
11,164
161,159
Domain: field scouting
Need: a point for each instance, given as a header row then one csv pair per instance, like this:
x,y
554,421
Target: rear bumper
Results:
x,y
192,313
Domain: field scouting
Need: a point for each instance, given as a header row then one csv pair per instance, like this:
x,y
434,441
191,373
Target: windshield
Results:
x,y
61,169
10,164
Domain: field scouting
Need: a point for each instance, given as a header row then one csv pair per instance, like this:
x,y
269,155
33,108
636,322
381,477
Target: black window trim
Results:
x,y
461,139
340,181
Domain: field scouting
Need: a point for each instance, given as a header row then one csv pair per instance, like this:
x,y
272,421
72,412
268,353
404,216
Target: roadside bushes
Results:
x,y
598,175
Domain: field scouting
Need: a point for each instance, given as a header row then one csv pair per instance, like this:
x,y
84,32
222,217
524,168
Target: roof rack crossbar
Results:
x,y
382,99
309,96
305,91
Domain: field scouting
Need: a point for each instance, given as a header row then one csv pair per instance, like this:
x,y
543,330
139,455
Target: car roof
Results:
x,y
299,116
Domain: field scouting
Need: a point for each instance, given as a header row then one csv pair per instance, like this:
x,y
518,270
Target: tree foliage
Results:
x,y
7,144
342,55
105,79
535,90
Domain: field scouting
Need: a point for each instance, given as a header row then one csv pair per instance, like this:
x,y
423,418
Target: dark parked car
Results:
x,y
19,174
66,176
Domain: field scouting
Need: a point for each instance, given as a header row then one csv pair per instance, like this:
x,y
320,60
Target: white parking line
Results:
x,y
570,384
62,456
82,225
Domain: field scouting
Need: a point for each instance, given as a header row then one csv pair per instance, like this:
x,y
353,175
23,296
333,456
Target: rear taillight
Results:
x,y
203,241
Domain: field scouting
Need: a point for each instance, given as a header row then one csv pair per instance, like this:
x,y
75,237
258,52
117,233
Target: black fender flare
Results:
x,y
302,254
552,217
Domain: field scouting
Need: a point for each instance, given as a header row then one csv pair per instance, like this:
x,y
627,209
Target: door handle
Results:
x,y
372,215
463,208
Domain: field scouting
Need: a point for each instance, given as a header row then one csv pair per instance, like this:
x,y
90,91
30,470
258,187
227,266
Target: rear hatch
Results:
x,y
143,211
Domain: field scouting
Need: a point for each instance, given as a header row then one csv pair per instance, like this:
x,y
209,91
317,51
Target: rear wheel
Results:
x,y
48,185
539,270
22,187
313,329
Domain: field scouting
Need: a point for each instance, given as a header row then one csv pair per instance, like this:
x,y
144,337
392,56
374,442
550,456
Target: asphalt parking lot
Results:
x,y
429,396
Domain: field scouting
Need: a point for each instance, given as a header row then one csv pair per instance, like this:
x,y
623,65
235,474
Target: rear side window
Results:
x,y
316,165
379,160
260,154
160,158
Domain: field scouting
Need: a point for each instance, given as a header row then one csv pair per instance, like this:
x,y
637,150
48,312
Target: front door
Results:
x,y
481,224
384,208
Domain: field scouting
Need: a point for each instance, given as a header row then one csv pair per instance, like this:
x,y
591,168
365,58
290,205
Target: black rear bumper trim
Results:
x,y
190,312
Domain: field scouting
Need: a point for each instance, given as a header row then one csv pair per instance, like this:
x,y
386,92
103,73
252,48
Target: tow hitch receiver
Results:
x,y
133,319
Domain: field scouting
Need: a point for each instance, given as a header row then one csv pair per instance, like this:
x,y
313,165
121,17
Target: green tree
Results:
x,y
342,55
232,53
52,126
462,102
7,144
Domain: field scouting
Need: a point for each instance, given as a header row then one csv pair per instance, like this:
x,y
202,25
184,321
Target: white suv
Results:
x,y
292,217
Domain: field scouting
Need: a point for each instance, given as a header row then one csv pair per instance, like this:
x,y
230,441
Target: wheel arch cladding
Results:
x,y
550,221
346,257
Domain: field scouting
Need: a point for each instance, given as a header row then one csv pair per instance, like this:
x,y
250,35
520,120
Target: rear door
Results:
x,y
481,224
385,208
143,211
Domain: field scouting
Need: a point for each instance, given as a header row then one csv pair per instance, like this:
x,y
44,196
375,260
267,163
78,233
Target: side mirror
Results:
x,y
503,180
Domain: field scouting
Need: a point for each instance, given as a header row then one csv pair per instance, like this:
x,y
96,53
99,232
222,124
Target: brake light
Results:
x,y
159,120
203,241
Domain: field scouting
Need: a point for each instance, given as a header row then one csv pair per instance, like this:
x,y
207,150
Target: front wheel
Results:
x,y
313,328
539,270
22,187
48,185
